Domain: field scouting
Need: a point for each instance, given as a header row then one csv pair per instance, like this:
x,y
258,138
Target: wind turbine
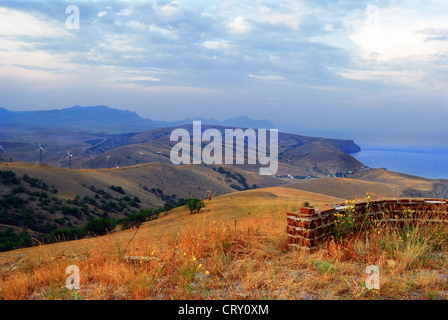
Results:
x,y
141,156
108,161
91,161
159,153
1,151
41,149
69,157
128,157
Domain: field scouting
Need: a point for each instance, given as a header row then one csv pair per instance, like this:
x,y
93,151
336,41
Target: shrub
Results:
x,y
65,235
117,189
99,226
18,189
194,205
9,240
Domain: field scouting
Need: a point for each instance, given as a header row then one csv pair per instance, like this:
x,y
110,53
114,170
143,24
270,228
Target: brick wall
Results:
x,y
310,228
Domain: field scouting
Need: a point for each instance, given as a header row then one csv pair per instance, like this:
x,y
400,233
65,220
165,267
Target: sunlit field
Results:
x,y
235,248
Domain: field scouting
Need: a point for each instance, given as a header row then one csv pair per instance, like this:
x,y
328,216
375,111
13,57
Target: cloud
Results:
x,y
398,35
168,33
216,44
170,11
267,77
239,26
16,23
236,55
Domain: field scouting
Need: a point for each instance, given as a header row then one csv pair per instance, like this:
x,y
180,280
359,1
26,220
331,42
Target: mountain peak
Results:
x,y
104,118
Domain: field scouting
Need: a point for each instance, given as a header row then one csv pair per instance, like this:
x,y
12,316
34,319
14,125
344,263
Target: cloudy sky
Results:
x,y
374,71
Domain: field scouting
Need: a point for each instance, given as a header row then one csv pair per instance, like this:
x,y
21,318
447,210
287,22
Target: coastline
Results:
x,y
427,163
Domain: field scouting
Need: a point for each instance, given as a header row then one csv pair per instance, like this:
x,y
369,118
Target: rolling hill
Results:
x,y
236,248
266,203
81,131
298,155
381,182
44,198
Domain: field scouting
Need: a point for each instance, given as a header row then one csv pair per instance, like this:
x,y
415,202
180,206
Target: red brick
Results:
x,y
290,222
293,214
306,224
307,210
315,223
326,210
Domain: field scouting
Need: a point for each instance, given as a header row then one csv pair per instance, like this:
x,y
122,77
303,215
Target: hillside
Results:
x,y
236,248
91,134
381,182
44,198
411,186
224,209
298,155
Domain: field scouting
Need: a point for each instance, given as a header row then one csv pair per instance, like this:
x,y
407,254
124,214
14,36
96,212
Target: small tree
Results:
x,y
194,205
167,207
99,226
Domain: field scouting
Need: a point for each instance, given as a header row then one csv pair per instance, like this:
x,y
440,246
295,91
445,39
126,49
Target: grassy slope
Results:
x,y
223,209
240,240
209,256
137,181
405,181
346,188
182,181
381,182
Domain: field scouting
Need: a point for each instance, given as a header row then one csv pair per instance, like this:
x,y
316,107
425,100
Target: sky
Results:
x,y
372,71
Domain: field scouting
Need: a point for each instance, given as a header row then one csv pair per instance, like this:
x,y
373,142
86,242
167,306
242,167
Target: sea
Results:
x,y
423,162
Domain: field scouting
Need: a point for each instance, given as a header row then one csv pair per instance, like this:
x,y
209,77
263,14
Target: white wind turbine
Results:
x,y
69,157
141,156
41,150
1,151
108,161
92,165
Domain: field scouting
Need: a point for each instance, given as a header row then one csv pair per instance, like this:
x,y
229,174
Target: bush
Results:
x,y
194,205
138,217
117,189
99,226
70,211
11,200
9,177
9,240
167,207
18,189
65,235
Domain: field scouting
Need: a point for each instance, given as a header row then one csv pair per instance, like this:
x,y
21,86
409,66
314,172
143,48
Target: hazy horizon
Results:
x,y
371,71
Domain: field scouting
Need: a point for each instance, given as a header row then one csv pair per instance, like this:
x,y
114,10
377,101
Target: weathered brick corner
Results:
x,y
310,228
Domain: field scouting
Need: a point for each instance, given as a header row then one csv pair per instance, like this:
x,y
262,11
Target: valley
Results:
x,y
119,196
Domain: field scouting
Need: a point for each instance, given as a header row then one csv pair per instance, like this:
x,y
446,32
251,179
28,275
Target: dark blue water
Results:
x,y
428,163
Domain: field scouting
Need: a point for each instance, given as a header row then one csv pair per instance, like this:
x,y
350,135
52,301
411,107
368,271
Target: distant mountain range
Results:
x,y
99,131
104,119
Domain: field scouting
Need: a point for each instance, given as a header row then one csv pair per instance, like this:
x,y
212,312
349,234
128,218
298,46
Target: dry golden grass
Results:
x,y
226,253
347,188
